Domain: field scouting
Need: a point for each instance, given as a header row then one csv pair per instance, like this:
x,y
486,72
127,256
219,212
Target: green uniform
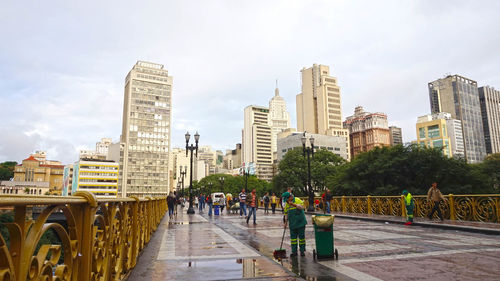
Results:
x,y
410,206
297,224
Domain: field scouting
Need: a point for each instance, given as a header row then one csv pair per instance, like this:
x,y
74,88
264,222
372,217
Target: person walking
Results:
x,y
243,200
200,203
274,201
177,202
229,202
410,206
266,203
170,204
252,206
296,218
209,203
328,200
435,195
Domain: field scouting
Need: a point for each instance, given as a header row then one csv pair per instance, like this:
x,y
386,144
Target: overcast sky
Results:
x,y
63,63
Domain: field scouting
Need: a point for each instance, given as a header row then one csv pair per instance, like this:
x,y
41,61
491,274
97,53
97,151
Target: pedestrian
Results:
x,y
274,201
296,218
266,203
252,206
328,200
170,204
410,206
243,200
177,202
229,202
200,203
435,195
209,203
203,201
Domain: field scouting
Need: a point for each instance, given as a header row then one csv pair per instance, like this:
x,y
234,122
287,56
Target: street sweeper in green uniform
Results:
x,y
294,214
410,206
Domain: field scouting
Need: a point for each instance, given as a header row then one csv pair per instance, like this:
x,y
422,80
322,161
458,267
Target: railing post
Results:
x,y
497,206
451,203
369,203
403,206
343,204
84,217
135,231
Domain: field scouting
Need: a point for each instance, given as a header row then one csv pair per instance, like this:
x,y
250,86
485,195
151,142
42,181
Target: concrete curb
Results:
x,y
472,229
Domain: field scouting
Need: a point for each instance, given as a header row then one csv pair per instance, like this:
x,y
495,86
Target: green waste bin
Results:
x,y
323,235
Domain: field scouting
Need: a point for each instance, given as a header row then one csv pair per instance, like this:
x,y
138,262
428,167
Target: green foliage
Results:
x,y
6,218
293,171
491,168
7,170
389,170
231,184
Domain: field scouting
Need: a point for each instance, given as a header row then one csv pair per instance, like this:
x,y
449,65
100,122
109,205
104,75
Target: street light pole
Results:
x,y
222,179
191,148
182,175
310,153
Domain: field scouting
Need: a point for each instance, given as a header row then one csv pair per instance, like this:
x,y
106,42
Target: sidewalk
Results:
x,y
467,226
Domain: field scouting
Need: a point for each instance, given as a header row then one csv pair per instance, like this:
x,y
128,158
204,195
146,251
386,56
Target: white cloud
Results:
x,y
62,71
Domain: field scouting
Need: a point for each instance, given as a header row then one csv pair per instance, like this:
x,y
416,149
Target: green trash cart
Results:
x,y
323,235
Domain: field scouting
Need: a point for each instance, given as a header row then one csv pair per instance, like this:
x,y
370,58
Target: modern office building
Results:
x,y
367,130
459,96
257,141
279,118
319,108
432,131
144,167
232,159
334,144
489,100
99,177
37,169
395,135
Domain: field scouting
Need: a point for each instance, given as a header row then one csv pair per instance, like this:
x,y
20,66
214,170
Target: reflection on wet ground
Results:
x,y
199,247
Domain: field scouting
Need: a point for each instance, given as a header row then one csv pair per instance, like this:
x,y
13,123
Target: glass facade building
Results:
x,y
459,96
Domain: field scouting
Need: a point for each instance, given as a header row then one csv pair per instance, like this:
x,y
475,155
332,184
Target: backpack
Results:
x,y
266,199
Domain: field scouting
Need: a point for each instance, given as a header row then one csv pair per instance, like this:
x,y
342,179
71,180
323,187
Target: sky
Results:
x,y
63,63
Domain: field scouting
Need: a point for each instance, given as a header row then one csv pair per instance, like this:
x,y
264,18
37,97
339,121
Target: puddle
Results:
x,y
231,269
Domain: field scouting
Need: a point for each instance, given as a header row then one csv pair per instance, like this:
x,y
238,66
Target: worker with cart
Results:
x,y
294,214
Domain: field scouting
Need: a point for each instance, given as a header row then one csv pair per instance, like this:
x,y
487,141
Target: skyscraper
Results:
x,y
319,104
279,118
146,131
257,141
489,100
459,96
396,136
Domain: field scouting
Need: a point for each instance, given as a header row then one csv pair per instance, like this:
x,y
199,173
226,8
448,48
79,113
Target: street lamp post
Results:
x,y
222,179
182,175
246,173
309,151
191,148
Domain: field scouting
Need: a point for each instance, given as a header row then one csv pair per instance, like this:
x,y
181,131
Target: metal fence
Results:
x,y
100,239
481,207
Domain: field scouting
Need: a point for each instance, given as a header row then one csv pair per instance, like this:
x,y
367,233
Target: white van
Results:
x,y
218,198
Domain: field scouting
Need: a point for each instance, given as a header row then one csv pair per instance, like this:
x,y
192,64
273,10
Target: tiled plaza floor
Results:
x,y
225,247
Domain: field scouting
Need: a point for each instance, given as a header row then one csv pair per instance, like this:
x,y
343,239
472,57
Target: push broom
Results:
x,y
280,253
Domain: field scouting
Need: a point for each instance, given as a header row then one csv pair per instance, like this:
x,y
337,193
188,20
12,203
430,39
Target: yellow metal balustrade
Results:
x,y
483,207
100,241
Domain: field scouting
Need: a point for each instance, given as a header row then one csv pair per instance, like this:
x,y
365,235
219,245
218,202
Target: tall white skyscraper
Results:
x,y
257,141
279,118
146,131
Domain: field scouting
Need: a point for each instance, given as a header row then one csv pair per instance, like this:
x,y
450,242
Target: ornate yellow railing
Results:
x,y
100,239
483,207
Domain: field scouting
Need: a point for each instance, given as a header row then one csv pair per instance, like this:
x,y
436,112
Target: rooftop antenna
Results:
x,y
276,91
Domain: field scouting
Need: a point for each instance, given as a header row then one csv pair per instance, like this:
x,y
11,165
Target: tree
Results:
x,y
293,171
7,170
491,171
389,170
231,184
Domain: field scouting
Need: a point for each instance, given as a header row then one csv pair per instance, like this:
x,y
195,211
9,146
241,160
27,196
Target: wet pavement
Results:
x,y
225,247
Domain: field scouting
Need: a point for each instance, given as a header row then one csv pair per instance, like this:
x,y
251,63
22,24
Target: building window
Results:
x,y
421,133
433,131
